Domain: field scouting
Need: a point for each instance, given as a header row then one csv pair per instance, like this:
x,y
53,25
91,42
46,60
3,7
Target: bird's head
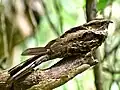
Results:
x,y
97,23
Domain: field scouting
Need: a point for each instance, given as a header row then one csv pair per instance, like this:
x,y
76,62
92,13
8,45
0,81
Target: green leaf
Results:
x,y
101,4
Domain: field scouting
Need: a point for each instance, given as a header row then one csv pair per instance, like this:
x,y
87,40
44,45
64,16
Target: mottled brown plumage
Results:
x,y
76,41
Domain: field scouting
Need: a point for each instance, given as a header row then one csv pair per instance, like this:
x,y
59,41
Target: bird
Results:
x,y
67,36
76,41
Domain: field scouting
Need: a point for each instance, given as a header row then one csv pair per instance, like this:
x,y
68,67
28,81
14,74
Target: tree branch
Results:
x,y
91,9
91,14
52,77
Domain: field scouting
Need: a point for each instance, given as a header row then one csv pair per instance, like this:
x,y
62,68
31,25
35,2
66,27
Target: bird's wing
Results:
x,y
73,30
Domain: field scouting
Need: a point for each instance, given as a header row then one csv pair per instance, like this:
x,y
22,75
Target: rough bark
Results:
x,y
50,78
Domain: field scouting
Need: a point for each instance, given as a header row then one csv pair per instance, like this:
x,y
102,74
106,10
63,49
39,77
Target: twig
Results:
x,y
91,9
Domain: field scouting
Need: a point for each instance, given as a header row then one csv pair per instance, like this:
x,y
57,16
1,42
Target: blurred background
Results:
x,y
31,23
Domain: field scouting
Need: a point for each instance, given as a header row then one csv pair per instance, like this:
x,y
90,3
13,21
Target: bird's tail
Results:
x,y
25,68
35,51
